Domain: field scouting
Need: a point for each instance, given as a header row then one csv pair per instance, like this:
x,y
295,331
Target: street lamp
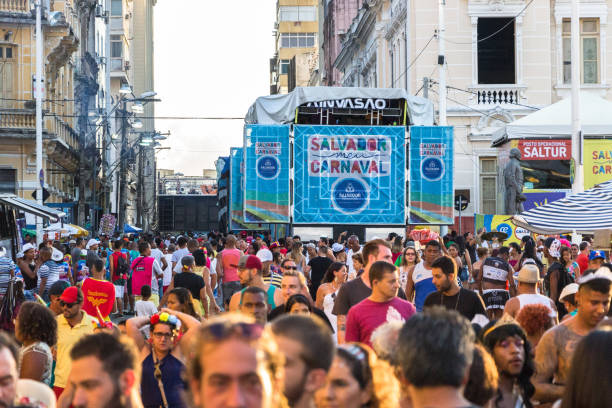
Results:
x,y
125,89
138,107
137,124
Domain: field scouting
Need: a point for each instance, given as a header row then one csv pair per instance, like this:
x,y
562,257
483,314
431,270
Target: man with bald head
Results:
x,y
354,247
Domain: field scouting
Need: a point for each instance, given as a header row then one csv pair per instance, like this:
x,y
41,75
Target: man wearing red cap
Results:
x,y
250,272
72,325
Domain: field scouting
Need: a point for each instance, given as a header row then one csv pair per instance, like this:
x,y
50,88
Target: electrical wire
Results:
x,y
416,58
489,115
158,117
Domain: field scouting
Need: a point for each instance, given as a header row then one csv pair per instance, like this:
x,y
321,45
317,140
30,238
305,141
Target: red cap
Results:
x,y
249,262
70,294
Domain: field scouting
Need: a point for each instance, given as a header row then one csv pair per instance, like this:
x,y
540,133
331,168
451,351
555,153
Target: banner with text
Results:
x,y
597,158
266,192
349,175
236,191
500,223
559,149
431,175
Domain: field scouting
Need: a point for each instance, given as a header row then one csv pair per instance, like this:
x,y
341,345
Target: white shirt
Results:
x,y
144,308
177,256
168,271
349,261
157,271
157,254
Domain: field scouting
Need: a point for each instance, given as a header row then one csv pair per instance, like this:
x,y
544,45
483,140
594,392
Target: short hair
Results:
x,y
436,348
318,348
117,244
597,285
584,245
7,342
116,356
372,248
37,323
433,243
45,250
79,240
145,291
143,246
297,298
534,319
446,264
482,251
254,290
171,248
230,240
358,257
378,270
188,260
504,250
282,265
298,275
98,264
322,249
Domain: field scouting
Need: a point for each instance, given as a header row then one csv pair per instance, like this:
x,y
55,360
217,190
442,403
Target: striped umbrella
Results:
x,y
581,212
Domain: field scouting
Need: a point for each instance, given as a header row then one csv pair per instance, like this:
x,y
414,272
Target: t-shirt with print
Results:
x,y
367,316
190,281
50,270
554,353
466,302
353,292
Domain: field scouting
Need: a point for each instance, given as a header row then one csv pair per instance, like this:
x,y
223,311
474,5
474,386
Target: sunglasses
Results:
x,y
163,335
69,305
224,330
291,267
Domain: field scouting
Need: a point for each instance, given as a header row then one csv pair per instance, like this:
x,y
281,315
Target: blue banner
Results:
x,y
431,175
349,175
236,200
266,193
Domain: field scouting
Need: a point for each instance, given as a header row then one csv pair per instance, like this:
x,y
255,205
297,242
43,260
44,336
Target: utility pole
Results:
x,y
122,167
578,184
442,77
39,98
425,87
140,202
107,104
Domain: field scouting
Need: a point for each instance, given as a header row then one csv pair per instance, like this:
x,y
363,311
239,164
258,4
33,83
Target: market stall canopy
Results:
x,y
31,207
584,213
277,109
67,229
127,228
555,121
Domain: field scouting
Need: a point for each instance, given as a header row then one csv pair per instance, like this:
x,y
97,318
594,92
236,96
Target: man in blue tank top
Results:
x,y
420,280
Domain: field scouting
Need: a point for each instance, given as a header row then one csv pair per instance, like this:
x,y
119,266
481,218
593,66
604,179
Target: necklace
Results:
x,y
456,303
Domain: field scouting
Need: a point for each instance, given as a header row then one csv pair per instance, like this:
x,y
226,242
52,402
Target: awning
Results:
x,y
127,228
555,121
67,229
32,207
584,213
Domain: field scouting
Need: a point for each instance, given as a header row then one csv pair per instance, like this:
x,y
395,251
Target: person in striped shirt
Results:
x,y
49,270
7,270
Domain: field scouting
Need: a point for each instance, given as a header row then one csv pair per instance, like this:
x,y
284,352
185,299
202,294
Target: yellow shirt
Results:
x,y
66,338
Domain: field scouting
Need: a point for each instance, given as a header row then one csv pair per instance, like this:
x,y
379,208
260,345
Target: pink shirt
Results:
x,y
366,316
230,257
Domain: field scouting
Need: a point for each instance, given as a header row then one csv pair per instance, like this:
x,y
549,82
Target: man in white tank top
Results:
x,y
528,278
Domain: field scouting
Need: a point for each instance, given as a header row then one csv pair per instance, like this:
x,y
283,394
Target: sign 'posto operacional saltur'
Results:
x,y
545,149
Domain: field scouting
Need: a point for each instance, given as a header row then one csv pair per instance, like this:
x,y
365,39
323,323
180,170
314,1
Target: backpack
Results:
x,y
122,270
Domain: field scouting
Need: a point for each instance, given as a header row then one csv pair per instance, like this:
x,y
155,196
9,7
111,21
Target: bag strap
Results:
x,y
158,376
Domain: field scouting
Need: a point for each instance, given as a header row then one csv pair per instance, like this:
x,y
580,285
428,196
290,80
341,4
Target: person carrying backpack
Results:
x,y
119,271
557,277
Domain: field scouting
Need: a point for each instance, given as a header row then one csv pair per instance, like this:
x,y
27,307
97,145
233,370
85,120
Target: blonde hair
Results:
x,y
298,275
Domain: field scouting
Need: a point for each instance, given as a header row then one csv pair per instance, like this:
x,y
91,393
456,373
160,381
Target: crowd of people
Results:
x,y
220,320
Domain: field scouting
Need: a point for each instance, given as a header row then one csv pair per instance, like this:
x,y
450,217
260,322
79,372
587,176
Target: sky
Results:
x,y
211,59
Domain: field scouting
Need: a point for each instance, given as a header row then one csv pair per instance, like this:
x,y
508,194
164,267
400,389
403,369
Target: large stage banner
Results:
x,y
597,158
266,193
349,175
431,175
236,200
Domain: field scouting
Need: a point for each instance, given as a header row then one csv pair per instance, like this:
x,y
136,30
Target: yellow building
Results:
x,y
296,47
17,106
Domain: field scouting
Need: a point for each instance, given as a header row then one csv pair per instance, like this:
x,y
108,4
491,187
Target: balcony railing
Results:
x,y
22,6
62,130
17,119
498,94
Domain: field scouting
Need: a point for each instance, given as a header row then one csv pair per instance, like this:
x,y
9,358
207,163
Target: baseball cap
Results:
x,y
529,273
58,288
249,262
92,242
568,290
72,241
264,255
596,254
71,295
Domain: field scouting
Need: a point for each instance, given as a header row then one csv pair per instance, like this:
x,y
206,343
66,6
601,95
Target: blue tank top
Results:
x,y
270,292
172,373
423,284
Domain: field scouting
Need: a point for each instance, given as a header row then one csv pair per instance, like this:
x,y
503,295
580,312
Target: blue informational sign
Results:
x,y
431,175
349,175
236,200
266,192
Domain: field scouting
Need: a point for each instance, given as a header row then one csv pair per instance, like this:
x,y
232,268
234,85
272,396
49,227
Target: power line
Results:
x,y
495,33
489,115
417,57
476,93
158,117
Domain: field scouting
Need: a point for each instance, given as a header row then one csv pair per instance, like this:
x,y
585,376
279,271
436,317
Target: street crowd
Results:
x,y
222,320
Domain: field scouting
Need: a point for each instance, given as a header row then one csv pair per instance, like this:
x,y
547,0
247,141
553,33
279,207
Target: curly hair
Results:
x,y
483,379
36,323
492,337
534,319
186,300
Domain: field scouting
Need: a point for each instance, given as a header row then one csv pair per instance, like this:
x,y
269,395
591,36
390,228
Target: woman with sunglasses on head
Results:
x,y
410,258
356,379
334,278
163,356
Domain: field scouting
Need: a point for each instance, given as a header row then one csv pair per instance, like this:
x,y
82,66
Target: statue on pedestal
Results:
x,y
513,181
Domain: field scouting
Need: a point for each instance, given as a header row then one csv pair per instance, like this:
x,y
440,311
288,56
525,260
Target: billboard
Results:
x,y
545,163
538,198
500,223
266,192
236,200
597,159
349,175
431,175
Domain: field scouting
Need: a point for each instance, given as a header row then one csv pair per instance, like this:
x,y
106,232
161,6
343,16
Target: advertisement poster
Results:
x,y
500,223
431,175
236,191
540,198
349,175
545,163
597,159
266,192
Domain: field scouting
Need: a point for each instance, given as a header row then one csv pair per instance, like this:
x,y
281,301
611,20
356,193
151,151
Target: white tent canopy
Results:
x,y
555,121
277,109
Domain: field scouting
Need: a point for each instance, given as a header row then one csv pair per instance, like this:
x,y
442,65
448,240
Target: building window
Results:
x,y
7,68
488,185
297,40
8,181
116,53
496,52
297,13
284,66
589,50
116,8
